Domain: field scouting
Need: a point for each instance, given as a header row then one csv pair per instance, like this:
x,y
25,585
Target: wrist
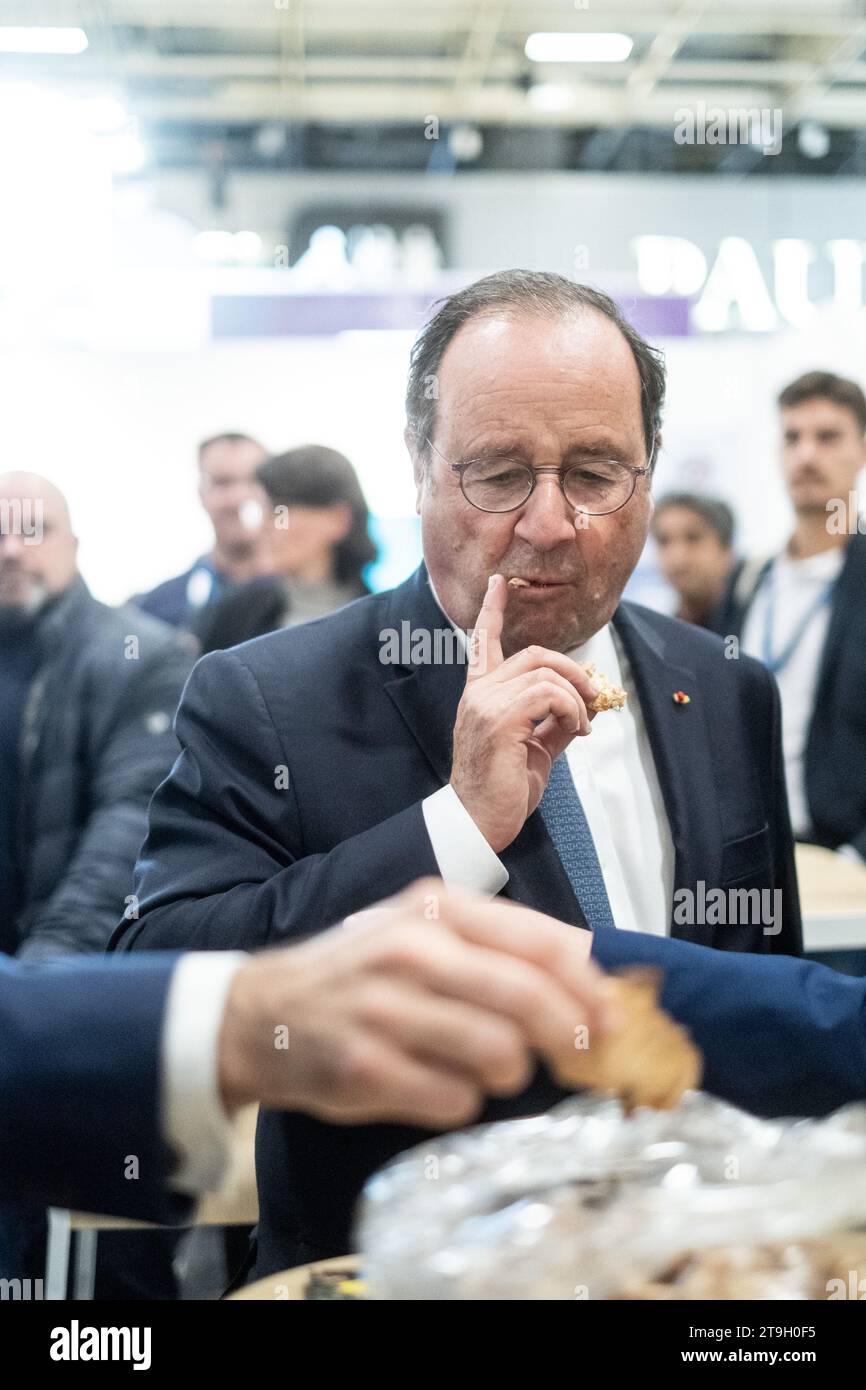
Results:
x,y
236,1076
492,834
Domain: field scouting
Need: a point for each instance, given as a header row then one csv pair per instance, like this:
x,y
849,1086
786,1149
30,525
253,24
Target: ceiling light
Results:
x,y
270,139
42,40
465,143
248,247
215,247
578,48
550,96
813,139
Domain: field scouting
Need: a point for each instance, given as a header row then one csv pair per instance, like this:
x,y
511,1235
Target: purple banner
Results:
x,y
322,315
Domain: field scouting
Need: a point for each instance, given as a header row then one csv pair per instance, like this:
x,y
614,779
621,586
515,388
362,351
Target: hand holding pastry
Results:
x,y
647,1060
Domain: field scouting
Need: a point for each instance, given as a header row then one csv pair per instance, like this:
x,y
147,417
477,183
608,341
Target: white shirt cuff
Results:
x,y
194,1122
849,852
464,857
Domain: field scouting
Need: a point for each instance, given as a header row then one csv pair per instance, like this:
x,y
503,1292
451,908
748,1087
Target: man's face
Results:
x,y
544,390
691,557
37,547
229,491
822,452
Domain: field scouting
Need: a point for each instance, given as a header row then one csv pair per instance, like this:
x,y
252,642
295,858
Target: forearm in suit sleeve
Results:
x,y
80,1068
779,1036
225,864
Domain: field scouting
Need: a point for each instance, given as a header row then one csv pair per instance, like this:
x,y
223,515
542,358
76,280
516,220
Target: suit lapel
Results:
x,y
426,692
682,752
427,695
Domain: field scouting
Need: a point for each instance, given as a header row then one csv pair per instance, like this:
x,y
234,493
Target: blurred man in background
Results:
x,y
694,539
230,495
315,542
87,700
804,612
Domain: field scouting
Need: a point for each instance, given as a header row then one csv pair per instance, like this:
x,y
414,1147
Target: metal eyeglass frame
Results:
x,y
460,468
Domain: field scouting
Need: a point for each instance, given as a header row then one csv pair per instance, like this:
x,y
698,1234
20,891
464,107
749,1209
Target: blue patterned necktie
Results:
x,y
569,830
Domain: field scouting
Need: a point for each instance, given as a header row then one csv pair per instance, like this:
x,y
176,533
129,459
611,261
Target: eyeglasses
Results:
x,y
593,486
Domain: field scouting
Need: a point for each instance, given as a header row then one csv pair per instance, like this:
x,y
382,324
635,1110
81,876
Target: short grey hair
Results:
x,y
531,292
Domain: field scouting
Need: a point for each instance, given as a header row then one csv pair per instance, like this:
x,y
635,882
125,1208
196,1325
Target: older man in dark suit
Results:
x,y
326,766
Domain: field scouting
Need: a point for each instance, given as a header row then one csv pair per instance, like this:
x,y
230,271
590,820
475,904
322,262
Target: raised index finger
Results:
x,y
486,648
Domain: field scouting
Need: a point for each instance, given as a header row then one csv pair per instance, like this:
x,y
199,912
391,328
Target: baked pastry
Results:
x,y
609,696
648,1060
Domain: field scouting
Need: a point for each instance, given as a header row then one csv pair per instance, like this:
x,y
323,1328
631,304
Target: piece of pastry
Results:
x,y
648,1060
609,696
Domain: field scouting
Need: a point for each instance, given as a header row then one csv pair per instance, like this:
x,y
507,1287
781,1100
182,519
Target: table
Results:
x,y
289,1284
833,899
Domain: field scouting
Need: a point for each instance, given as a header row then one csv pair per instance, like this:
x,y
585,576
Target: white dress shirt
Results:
x,y
796,586
615,777
194,1123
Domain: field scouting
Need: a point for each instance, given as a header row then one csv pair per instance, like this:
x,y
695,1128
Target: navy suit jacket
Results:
x,y
297,799
80,1084
779,1036
835,759
297,796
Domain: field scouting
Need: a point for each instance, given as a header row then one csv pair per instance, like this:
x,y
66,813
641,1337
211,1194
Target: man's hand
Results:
x,y
411,1012
514,720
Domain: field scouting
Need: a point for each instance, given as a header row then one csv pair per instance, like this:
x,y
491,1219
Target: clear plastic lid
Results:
x,y
585,1202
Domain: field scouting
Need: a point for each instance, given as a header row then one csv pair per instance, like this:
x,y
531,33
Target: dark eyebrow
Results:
x,y
597,450
496,451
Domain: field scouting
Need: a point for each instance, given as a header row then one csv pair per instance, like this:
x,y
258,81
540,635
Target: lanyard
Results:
x,y
778,663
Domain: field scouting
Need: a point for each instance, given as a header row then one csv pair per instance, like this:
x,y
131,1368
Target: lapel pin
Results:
x,y
681,698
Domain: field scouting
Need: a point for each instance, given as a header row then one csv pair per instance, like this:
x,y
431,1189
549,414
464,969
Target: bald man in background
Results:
x,y
87,702
87,699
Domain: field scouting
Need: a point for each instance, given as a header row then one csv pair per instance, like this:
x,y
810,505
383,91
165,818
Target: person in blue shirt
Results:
x,y
230,495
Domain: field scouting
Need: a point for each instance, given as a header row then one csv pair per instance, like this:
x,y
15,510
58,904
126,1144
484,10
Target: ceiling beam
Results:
x,y
834,18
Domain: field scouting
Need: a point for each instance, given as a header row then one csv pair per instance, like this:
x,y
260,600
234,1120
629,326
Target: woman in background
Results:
x,y
316,544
